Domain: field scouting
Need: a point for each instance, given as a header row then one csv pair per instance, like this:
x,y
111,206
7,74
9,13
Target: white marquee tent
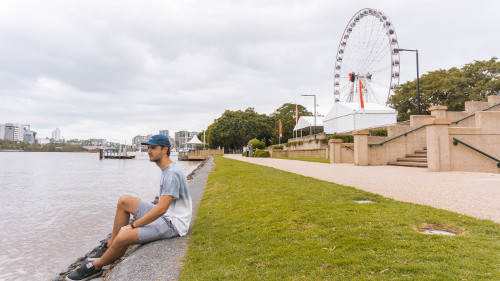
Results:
x,y
306,123
194,140
349,116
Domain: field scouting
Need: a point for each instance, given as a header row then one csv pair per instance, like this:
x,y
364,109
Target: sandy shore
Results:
x,y
473,194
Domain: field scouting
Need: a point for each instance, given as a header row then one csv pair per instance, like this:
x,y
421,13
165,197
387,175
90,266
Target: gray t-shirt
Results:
x,y
174,183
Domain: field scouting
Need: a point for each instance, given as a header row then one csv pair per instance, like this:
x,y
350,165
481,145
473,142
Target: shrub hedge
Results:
x,y
261,153
378,133
344,138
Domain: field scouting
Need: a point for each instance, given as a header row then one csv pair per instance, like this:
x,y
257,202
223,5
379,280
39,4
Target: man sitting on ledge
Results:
x,y
168,219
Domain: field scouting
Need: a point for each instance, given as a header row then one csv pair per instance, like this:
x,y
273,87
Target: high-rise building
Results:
x,y
137,140
56,134
181,138
29,136
14,132
165,133
2,131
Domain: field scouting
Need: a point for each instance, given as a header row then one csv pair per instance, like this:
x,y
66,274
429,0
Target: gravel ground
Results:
x,y
473,194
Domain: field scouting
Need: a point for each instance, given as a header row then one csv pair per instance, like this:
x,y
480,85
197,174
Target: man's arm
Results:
x,y
160,209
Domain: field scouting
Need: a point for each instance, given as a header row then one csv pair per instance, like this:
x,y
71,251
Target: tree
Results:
x,y
287,114
452,88
235,128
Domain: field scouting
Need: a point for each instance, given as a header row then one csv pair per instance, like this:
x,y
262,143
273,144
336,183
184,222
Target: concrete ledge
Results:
x,y
361,132
436,121
438,107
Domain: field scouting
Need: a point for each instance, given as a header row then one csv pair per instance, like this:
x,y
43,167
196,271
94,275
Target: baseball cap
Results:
x,y
158,140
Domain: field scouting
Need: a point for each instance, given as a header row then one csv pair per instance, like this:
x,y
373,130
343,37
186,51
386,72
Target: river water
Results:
x,y
58,206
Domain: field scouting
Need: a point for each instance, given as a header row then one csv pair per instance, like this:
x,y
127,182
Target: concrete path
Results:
x,y
473,194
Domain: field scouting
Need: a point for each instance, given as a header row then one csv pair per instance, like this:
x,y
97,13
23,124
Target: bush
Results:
x,y
276,147
261,153
259,145
256,144
294,143
378,133
344,138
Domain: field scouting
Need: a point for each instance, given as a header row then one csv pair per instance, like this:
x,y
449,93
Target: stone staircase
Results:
x,y
417,159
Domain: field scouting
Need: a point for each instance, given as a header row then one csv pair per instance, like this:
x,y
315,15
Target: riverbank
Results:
x,y
137,264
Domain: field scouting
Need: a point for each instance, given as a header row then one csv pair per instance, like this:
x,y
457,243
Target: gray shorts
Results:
x,y
161,228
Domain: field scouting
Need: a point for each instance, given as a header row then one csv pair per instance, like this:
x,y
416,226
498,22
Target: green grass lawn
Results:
x,y
321,160
259,223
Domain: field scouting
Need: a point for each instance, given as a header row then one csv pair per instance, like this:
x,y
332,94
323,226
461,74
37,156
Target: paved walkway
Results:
x,y
473,194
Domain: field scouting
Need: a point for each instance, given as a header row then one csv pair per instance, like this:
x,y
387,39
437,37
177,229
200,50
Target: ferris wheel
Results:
x,y
367,63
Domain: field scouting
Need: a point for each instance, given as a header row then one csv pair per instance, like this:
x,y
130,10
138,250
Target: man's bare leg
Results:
x,y
127,205
120,240
118,248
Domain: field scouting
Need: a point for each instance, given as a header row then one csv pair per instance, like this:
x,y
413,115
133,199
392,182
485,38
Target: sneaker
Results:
x,y
98,254
85,272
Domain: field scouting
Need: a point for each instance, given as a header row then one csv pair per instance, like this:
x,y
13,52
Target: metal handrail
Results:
x,y
393,138
456,122
406,133
456,142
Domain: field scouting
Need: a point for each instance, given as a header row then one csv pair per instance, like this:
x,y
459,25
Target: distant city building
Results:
x,y
43,141
29,136
2,131
181,138
14,132
165,133
137,140
56,134
172,142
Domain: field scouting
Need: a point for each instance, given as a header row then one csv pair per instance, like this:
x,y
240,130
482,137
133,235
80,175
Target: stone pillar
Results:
x,y
438,144
361,147
438,111
335,150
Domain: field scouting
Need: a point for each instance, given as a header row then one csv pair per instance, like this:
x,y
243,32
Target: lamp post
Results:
x,y
418,82
314,112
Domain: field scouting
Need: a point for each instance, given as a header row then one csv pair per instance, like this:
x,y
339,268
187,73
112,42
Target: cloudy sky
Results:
x,y
116,69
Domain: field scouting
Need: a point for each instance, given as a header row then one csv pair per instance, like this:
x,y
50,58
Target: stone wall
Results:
x,y
305,153
485,136
437,132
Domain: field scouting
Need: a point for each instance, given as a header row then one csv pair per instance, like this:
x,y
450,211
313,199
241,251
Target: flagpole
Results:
x,y
281,132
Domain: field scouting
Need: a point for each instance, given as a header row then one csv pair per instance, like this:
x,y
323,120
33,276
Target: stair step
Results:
x,y
420,151
420,155
413,159
408,164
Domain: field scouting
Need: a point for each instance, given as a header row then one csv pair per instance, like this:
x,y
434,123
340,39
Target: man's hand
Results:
x,y
125,228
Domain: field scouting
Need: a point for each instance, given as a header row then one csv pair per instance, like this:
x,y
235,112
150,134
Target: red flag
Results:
x,y
281,130
361,95
297,115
